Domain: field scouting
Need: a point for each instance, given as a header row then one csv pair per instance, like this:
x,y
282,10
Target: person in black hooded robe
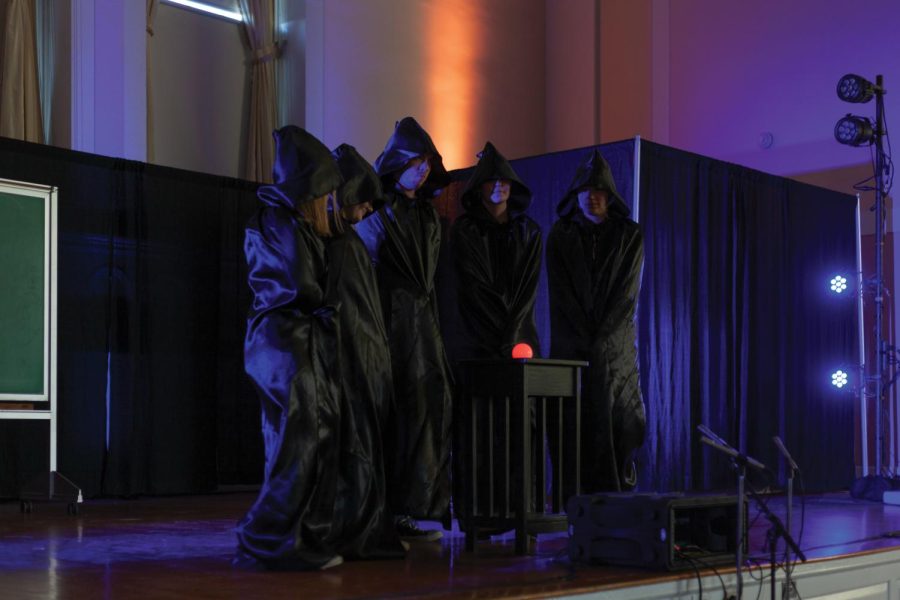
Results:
x,y
496,250
403,238
594,258
365,524
290,351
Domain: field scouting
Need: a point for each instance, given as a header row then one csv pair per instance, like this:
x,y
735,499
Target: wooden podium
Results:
x,y
515,414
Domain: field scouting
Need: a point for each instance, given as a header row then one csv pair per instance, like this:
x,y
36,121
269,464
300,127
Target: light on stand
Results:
x,y
838,379
854,131
838,284
856,89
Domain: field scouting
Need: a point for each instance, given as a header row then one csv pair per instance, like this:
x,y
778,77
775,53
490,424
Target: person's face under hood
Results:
x,y
495,191
355,213
414,174
594,203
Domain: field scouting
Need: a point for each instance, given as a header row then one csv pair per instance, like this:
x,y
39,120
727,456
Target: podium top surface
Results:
x,y
553,362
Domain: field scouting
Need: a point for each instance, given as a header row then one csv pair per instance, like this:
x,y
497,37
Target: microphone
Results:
x,y
785,453
741,459
709,433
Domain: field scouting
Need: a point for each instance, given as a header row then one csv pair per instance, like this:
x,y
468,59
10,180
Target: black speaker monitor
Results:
x,y
657,531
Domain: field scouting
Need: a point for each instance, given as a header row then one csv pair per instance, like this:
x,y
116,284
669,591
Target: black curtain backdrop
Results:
x,y
737,325
152,300
736,329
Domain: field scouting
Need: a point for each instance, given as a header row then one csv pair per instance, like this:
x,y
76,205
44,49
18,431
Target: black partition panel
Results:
x,y
152,304
738,327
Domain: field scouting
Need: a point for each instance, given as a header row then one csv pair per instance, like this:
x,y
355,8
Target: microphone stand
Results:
x,y
777,530
740,463
793,469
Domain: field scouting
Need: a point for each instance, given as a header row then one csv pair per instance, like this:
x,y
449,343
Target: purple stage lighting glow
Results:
x,y
838,284
839,379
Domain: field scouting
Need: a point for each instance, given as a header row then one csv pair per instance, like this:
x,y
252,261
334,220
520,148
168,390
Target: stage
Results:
x,y
180,547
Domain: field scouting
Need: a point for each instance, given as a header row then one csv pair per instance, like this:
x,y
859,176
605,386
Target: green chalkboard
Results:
x,y
23,301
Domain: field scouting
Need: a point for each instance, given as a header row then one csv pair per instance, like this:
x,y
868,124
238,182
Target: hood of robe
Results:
x,y
491,166
361,183
304,169
593,172
408,141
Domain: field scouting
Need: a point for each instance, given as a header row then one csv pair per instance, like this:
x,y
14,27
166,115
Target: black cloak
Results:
x,y
367,390
290,352
497,268
403,238
497,265
594,273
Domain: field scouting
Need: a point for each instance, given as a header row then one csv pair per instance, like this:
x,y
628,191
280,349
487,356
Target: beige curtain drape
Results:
x,y
259,24
151,16
20,100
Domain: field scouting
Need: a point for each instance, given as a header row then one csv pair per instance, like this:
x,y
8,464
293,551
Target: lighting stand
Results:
x,y
879,273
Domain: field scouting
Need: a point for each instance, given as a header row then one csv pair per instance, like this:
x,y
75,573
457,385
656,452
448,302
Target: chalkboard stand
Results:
x,y
53,488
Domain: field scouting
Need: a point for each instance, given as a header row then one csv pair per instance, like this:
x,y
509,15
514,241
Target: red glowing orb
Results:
x,y
522,350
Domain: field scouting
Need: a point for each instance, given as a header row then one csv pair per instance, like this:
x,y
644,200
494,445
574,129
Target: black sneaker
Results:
x,y
409,531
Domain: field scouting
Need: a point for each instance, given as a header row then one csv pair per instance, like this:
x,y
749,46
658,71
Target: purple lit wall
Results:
x,y
740,69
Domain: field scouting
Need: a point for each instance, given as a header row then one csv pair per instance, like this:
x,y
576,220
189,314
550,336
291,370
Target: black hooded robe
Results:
x,y
497,268
403,238
594,275
418,443
290,353
366,524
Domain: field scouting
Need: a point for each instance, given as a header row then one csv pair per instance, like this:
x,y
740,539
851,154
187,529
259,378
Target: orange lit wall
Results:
x,y
468,70
625,69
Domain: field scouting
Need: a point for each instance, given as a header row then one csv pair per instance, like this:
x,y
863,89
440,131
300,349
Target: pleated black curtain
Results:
x,y
152,298
737,326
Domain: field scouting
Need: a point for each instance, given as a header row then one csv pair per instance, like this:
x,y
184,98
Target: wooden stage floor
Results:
x,y
180,547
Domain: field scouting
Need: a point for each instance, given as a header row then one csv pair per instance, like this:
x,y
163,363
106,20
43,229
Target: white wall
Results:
x,y
199,82
468,70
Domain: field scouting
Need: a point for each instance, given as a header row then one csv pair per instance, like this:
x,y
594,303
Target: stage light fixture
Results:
x,y
854,131
856,89
839,379
838,284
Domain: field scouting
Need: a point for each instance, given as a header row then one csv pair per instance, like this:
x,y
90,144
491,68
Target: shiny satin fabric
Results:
x,y
594,275
364,524
404,238
497,268
290,352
